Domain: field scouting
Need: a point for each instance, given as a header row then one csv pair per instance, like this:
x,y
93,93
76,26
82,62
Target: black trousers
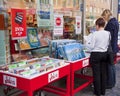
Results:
x,y
98,64
111,75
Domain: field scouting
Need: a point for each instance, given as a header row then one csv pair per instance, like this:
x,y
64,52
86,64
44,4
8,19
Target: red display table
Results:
x,y
117,59
75,66
38,82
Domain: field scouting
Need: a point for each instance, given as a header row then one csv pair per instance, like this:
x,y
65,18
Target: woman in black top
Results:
x,y
113,27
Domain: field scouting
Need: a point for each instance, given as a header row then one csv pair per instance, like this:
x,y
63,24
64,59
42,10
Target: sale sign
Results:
x,y
53,76
85,63
18,23
58,25
78,25
58,21
8,80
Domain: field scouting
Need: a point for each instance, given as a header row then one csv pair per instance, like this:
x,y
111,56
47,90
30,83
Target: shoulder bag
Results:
x,y
110,56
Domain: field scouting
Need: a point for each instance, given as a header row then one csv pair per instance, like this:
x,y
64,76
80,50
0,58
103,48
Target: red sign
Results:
x,y
78,24
58,21
18,23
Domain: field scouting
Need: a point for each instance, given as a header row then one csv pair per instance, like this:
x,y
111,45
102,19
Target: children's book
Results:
x,y
32,37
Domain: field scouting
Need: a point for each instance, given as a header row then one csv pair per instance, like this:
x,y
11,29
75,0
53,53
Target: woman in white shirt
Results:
x,y
98,44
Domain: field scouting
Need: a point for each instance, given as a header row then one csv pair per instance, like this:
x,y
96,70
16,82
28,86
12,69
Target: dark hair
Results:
x,y
100,22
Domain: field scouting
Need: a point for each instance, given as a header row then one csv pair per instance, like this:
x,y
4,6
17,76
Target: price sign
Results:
x,y
85,63
8,80
53,76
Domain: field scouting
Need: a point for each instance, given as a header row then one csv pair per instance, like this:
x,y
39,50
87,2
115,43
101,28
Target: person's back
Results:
x,y
102,38
113,27
98,42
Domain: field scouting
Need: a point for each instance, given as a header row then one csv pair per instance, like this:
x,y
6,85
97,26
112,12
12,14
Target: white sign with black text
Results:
x,y
85,63
8,80
53,76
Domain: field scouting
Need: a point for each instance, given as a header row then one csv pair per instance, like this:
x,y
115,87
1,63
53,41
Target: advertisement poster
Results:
x,y
78,25
44,13
58,25
30,13
18,23
32,37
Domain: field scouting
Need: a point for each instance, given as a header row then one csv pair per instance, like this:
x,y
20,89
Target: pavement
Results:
x,y
115,91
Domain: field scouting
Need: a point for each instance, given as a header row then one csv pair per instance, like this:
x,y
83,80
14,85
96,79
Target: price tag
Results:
x,y
85,63
8,80
53,76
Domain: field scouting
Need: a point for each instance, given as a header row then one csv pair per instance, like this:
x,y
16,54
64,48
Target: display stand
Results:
x,y
38,82
75,66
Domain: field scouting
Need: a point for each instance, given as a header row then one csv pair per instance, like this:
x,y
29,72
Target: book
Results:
x,y
73,51
32,37
23,44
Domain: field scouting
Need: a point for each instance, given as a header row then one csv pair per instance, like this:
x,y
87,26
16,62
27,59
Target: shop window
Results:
x,y
69,29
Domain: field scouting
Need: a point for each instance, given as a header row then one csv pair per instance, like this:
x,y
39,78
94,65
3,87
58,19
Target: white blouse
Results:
x,y
98,41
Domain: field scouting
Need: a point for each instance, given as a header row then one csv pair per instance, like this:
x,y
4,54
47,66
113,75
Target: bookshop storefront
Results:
x,y
32,24
41,41
35,35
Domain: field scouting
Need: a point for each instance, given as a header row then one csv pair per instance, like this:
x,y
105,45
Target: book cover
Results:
x,y
23,44
32,37
73,51
44,37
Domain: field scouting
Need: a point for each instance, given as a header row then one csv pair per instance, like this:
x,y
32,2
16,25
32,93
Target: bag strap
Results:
x,y
109,42
109,38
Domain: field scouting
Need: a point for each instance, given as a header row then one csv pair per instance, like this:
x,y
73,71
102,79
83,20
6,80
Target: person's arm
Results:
x,y
110,28
90,43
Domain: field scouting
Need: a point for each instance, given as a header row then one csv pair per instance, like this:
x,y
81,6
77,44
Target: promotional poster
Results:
x,y
44,13
18,23
58,25
78,25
